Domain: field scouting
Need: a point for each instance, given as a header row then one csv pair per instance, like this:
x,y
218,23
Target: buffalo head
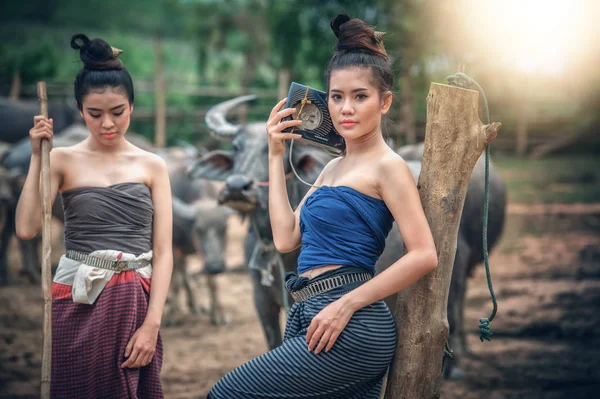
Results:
x,y
244,168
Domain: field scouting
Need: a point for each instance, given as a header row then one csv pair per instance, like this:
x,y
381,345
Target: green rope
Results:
x,y
448,352
462,80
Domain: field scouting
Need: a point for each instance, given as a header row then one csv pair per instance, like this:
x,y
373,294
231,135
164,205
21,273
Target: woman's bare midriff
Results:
x,y
312,273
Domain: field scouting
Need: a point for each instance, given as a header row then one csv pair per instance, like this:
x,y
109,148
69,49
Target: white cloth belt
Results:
x,y
88,281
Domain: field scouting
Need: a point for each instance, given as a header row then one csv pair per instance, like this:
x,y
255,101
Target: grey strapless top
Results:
x,y
116,217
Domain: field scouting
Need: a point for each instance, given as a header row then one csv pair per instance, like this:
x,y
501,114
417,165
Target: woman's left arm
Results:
x,y
399,191
162,242
142,345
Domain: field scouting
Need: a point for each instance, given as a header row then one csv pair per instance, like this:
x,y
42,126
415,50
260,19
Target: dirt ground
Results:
x,y
546,340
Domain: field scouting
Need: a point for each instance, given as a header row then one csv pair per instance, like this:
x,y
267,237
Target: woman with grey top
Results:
x,y
118,226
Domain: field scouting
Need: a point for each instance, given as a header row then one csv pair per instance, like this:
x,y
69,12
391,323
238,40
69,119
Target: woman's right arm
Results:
x,y
280,210
29,209
285,222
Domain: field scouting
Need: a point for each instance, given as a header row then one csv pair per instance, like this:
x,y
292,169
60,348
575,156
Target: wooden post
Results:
x,y
160,129
283,83
15,88
46,251
454,140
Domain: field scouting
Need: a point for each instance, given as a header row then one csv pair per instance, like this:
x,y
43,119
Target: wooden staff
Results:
x,y
46,251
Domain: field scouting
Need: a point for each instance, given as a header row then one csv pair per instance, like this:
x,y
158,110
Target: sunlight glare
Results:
x,y
534,36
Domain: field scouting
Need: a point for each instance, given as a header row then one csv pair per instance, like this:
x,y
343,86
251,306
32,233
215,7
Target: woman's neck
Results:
x,y
369,143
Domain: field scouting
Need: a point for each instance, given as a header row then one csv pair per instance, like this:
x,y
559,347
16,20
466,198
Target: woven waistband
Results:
x,y
328,284
114,265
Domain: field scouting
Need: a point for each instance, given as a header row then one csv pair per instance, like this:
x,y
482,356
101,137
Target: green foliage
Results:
x,y
241,44
39,63
33,61
302,40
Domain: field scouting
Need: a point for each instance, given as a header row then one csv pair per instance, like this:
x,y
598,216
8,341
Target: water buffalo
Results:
x,y
199,228
10,188
9,183
245,172
7,205
6,186
17,117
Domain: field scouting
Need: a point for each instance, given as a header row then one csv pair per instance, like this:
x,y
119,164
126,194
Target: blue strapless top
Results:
x,y
342,226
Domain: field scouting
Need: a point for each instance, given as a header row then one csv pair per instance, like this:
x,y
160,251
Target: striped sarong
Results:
x,y
89,339
352,369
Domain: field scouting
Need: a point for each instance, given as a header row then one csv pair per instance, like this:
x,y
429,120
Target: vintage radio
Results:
x,y
317,127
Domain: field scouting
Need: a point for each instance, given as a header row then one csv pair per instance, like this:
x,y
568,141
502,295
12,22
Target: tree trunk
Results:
x,y
283,83
15,88
160,126
242,110
454,140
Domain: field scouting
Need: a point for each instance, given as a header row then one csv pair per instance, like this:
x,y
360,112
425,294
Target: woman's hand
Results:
x,y
326,326
275,127
42,129
141,347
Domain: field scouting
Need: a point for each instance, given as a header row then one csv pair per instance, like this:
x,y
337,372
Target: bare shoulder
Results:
x,y
59,162
63,157
392,172
63,160
144,157
154,165
60,153
327,171
71,151
390,163
153,161
332,164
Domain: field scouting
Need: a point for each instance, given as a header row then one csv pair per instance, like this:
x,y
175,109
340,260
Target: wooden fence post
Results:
x,y
454,140
160,129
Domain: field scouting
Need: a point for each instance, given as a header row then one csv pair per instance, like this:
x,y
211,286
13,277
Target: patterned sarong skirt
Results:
x,y
352,369
89,340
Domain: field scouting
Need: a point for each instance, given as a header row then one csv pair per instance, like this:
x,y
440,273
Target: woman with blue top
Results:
x,y
340,336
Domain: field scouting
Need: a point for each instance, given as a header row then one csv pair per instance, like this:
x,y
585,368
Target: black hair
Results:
x,y
101,68
360,46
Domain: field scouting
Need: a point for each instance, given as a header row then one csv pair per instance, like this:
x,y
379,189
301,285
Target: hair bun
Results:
x,y
79,41
337,22
96,53
355,35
